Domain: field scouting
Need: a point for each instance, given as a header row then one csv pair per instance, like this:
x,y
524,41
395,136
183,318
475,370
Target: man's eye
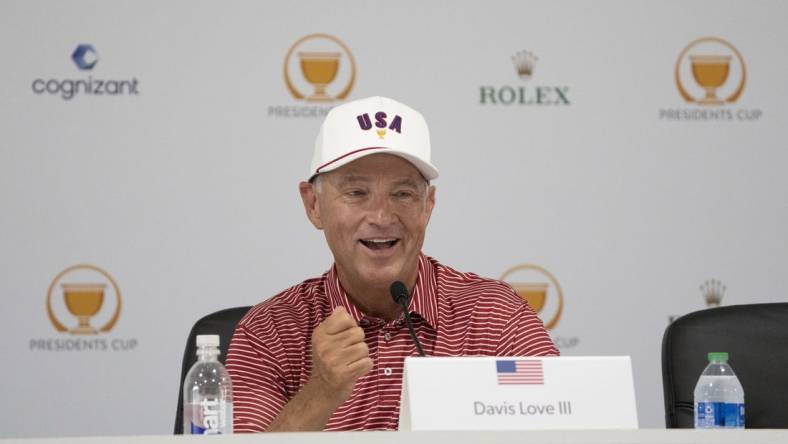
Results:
x,y
356,193
403,194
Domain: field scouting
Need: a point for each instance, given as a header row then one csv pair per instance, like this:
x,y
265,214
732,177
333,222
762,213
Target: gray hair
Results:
x,y
317,183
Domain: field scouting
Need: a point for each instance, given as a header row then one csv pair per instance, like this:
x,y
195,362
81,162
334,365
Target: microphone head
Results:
x,y
398,291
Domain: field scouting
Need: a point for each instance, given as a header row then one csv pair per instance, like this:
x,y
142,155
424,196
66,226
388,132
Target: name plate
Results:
x,y
492,393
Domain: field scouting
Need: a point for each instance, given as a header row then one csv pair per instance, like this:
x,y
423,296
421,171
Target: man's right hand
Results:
x,y
339,355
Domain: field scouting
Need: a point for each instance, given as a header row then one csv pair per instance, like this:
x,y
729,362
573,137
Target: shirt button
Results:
x,y
387,371
387,336
364,322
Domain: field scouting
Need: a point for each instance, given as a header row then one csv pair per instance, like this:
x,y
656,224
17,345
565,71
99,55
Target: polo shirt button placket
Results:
x,y
387,371
387,336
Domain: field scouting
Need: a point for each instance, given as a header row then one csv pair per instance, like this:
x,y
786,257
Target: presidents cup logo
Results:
x,y
710,67
84,302
532,282
318,69
711,74
544,295
314,63
83,289
85,58
524,95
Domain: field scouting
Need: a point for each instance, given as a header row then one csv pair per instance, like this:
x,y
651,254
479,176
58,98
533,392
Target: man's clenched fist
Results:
x,y
339,355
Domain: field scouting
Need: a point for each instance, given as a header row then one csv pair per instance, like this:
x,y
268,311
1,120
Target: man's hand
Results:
x,y
339,355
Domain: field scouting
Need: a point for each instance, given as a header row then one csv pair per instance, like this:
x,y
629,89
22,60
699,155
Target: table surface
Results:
x,y
642,436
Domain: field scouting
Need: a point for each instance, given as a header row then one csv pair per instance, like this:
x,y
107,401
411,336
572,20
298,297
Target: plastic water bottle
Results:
x,y
719,397
207,392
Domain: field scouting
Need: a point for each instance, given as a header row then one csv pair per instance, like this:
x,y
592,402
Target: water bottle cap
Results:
x,y
718,356
207,340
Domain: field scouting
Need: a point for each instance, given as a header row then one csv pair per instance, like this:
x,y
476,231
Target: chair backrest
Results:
x,y
756,338
220,323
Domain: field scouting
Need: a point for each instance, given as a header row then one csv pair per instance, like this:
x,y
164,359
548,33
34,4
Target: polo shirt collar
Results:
x,y
423,300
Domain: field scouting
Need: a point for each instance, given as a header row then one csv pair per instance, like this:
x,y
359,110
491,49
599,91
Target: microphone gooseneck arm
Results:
x,y
399,292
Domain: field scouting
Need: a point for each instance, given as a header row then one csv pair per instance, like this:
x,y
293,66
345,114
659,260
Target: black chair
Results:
x,y
220,323
756,338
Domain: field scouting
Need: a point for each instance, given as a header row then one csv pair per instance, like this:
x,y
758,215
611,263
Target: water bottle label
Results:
x,y
739,415
719,414
211,416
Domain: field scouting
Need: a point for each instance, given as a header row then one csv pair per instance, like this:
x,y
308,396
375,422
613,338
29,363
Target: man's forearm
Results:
x,y
308,411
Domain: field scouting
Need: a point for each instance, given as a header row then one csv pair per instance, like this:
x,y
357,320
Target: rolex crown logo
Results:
x,y
524,62
713,291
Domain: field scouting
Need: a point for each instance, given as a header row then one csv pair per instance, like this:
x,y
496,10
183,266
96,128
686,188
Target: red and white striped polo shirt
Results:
x,y
454,314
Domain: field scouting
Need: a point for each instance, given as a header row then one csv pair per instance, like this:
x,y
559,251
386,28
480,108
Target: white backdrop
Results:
x,y
185,193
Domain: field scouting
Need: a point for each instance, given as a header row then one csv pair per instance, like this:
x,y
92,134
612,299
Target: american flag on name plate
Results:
x,y
520,372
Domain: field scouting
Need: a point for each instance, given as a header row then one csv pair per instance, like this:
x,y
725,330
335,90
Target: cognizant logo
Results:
x,y
85,58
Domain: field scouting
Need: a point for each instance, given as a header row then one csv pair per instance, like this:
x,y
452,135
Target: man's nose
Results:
x,y
381,210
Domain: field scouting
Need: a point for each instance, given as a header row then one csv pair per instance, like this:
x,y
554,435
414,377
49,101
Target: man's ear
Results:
x,y
311,204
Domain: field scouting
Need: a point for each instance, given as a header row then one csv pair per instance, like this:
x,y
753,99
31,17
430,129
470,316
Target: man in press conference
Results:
x,y
328,353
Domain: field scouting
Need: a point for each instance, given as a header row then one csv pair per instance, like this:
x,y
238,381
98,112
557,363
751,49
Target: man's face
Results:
x,y
374,213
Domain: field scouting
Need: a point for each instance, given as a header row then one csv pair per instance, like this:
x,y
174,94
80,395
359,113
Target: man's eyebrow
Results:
x,y
408,181
350,179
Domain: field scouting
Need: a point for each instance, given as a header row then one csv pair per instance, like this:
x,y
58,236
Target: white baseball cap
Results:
x,y
370,126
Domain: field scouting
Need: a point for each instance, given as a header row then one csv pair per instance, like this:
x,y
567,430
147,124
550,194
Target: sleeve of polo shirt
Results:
x,y
258,380
525,335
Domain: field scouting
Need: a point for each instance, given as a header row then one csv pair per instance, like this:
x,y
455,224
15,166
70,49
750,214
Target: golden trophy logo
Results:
x,y
540,289
319,68
712,291
84,289
711,72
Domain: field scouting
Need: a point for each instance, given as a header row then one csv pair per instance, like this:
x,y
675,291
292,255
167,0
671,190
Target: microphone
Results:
x,y
399,292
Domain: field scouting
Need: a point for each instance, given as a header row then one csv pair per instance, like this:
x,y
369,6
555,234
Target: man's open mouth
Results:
x,y
379,244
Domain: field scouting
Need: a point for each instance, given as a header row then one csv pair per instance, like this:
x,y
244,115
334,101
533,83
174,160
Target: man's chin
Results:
x,y
382,277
